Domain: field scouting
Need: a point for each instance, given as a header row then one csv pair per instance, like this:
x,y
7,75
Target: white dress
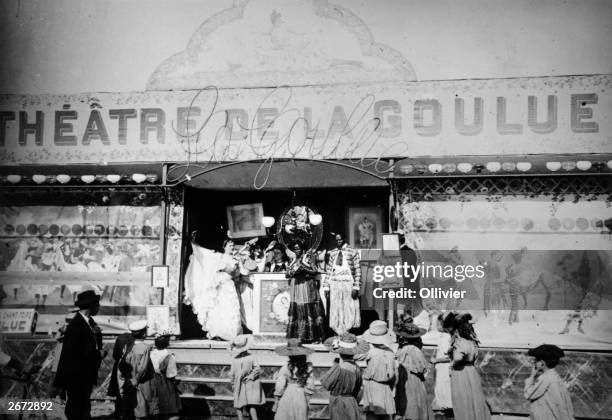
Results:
x,y
211,292
344,310
442,388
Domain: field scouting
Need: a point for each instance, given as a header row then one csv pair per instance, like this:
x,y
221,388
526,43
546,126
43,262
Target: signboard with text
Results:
x,y
352,121
18,321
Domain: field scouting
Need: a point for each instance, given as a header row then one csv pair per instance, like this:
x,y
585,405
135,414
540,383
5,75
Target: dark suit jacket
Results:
x,y
80,358
123,341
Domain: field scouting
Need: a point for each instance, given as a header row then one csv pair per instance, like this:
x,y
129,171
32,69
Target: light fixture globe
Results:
x,y
268,221
435,168
39,179
523,166
63,178
13,179
584,165
464,167
114,178
553,166
315,219
139,178
88,179
493,166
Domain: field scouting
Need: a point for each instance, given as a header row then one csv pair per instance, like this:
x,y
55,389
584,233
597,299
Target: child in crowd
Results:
x,y
469,401
245,372
410,395
294,383
548,397
379,374
343,380
135,376
442,388
164,380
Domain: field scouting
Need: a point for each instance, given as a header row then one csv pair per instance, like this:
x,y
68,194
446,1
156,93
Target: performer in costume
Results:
x,y
211,292
343,285
306,312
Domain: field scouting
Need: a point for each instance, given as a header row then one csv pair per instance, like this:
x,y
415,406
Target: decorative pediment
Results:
x,y
281,42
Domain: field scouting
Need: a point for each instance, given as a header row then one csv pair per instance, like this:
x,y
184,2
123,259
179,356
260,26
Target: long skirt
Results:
x,y
343,407
147,402
343,309
411,397
306,312
168,398
442,388
293,405
469,401
377,398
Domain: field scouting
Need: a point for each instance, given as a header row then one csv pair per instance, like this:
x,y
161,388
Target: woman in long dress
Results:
x,y
306,312
211,292
411,395
469,402
343,380
442,388
294,383
379,374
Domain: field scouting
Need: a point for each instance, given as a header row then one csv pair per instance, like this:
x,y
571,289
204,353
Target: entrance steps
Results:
x,y
205,383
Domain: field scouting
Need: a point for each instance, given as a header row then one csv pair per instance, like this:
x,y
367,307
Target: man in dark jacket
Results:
x,y
82,353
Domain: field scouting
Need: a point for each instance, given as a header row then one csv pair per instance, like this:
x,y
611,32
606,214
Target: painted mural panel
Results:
x,y
49,254
547,264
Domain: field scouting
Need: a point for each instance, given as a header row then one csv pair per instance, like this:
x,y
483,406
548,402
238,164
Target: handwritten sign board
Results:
x,y
374,120
18,321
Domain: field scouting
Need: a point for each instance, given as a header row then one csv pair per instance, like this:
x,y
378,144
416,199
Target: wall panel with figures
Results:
x,y
50,253
547,259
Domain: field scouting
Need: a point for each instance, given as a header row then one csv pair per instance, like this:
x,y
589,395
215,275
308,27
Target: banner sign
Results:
x,y
356,121
18,321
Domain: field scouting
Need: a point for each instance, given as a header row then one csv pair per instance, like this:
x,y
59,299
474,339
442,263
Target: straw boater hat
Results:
x,y
294,347
547,352
409,330
240,344
378,333
138,326
347,344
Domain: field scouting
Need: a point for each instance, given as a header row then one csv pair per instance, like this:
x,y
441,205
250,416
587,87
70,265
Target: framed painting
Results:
x,y
244,220
365,228
270,303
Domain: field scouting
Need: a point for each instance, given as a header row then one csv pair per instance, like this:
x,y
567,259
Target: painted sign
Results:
x,y
502,116
18,321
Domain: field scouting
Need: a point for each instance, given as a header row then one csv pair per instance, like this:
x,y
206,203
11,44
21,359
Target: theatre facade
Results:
x,y
95,185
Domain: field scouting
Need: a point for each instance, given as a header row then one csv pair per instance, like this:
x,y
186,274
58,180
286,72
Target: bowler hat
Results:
x,y
86,299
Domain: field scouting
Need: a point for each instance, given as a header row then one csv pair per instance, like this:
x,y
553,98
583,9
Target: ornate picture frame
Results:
x,y
244,220
270,303
365,227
